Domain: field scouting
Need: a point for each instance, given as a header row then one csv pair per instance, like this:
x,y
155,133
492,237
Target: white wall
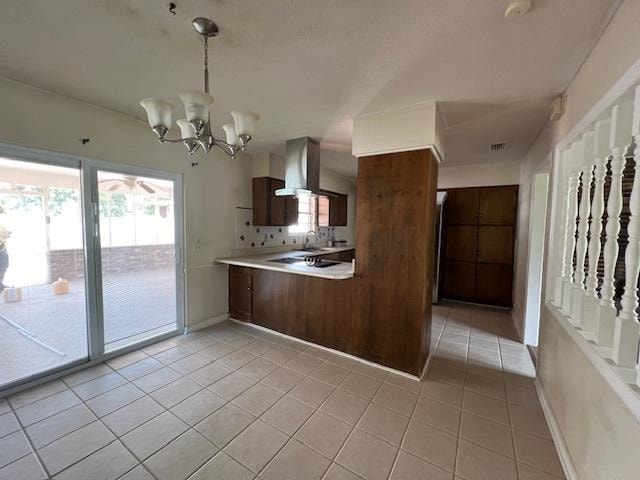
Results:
x,y
486,175
34,118
601,434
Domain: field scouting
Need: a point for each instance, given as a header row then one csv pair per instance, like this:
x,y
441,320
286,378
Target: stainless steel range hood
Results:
x,y
302,170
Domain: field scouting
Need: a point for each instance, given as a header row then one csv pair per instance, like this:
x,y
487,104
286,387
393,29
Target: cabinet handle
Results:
x,y
249,288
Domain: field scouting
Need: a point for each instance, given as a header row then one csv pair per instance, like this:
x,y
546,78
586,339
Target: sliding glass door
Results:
x,y
43,322
137,255
90,261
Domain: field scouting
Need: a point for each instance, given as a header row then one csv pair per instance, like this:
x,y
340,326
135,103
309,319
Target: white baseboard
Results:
x,y
206,323
561,447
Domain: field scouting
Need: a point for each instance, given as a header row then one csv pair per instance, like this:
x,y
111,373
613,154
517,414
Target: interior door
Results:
x,y
138,257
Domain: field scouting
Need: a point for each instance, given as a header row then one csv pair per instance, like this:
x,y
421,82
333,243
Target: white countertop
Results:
x,y
341,271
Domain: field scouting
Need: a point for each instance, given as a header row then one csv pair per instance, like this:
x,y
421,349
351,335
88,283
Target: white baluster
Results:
x,y
626,337
561,236
619,137
572,214
585,157
590,300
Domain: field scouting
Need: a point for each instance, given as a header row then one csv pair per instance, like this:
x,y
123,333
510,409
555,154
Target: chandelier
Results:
x,y
195,130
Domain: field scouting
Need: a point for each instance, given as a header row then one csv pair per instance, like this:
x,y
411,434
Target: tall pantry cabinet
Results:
x,y
479,244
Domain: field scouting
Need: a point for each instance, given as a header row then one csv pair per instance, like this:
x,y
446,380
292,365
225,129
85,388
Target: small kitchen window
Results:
x,y
307,215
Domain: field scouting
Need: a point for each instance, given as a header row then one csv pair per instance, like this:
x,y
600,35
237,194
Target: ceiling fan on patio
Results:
x,y
130,184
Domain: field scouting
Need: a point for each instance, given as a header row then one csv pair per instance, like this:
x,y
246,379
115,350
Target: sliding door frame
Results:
x,y
90,214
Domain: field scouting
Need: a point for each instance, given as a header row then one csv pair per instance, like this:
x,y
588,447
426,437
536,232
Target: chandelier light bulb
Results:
x,y
196,104
232,136
185,128
245,121
159,112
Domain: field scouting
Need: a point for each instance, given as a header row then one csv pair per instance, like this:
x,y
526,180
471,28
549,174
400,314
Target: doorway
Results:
x,y
535,258
90,261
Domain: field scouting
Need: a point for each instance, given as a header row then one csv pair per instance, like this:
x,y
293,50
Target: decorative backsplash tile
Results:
x,y
250,236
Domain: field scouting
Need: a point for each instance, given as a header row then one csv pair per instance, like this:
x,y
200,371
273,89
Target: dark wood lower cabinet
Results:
x,y
493,284
314,309
240,293
460,279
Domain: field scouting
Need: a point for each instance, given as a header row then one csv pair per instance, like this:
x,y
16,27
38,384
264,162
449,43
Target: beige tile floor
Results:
x,y
236,403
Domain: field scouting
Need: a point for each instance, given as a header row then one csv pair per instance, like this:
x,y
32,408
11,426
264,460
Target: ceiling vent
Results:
x,y
497,147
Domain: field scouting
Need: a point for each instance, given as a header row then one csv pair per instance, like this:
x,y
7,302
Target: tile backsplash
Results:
x,y
251,236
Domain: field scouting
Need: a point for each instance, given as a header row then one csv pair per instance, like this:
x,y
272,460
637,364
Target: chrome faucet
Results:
x,y
306,240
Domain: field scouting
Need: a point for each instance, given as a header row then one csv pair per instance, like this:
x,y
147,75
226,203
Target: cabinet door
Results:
x,y
240,293
462,242
495,245
498,205
459,280
260,201
494,284
277,205
271,300
344,207
462,206
333,209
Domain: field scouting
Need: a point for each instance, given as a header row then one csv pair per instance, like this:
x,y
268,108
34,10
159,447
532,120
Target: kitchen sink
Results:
x,y
325,263
288,260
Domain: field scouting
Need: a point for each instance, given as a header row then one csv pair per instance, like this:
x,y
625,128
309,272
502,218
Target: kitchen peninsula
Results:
x,y
381,312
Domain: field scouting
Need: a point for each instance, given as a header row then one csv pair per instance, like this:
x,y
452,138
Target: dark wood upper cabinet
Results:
x,y
497,205
269,209
462,206
337,209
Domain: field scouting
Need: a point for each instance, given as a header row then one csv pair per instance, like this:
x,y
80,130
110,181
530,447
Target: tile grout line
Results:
x,y
33,450
291,437
464,383
411,417
116,437
355,426
513,438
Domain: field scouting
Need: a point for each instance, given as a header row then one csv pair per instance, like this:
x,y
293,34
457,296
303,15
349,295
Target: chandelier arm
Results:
x,y
231,150
177,140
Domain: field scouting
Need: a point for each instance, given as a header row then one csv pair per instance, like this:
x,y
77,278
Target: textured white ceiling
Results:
x,y
309,66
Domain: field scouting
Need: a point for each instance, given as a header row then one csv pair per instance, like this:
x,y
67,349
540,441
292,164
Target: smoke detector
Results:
x,y
517,8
